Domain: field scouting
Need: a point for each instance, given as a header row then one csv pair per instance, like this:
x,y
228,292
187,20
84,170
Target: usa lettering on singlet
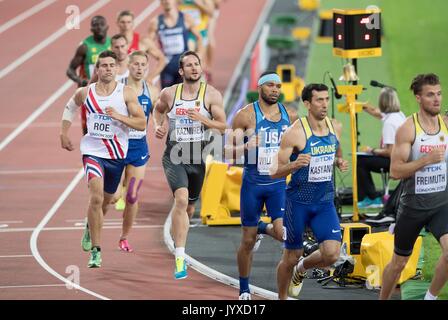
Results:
x,y
186,129
431,178
106,138
258,161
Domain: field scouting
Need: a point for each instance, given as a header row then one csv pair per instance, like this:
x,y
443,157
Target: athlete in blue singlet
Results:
x,y
309,150
171,29
267,119
138,151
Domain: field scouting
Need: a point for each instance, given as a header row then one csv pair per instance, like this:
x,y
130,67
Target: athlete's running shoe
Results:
x,y
295,286
86,241
120,204
180,271
124,245
95,258
245,296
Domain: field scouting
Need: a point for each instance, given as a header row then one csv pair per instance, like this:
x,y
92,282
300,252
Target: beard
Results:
x,y
191,79
268,99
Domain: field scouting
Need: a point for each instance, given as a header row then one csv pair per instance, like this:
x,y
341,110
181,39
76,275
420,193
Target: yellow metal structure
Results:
x,y
357,53
292,85
325,18
352,107
352,235
376,253
301,33
308,5
220,195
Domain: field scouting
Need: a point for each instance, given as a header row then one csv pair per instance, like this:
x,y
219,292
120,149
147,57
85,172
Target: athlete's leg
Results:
x,y
327,254
180,221
441,271
391,275
134,178
285,269
95,209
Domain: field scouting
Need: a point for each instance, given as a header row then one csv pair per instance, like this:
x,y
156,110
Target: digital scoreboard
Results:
x,y
357,33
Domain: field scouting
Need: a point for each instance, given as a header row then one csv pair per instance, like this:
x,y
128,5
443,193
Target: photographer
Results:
x,y
378,159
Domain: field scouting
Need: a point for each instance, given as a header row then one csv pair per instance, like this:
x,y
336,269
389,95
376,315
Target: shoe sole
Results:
x,y
124,250
180,278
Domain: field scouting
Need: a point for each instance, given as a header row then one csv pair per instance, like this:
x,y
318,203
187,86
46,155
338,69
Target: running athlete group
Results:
x,y
270,138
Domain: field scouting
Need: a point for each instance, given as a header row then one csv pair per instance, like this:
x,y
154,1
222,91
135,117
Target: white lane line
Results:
x,y
18,256
4,225
76,228
11,221
49,40
44,106
247,51
33,286
55,171
38,229
139,19
24,15
37,125
209,272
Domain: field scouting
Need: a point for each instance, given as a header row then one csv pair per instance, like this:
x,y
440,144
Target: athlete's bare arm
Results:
x,y
74,103
293,139
151,48
400,168
241,126
154,92
161,108
152,30
189,24
137,119
214,104
77,61
206,6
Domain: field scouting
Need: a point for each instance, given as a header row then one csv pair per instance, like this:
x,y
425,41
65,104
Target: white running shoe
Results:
x,y
245,296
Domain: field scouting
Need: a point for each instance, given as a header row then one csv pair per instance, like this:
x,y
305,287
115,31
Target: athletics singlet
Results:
x,y
313,184
106,138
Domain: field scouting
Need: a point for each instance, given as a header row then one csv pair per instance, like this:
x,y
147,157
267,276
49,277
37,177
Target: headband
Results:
x,y
272,77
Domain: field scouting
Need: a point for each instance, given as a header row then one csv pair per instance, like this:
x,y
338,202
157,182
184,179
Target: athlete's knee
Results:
x,y
181,202
96,200
132,192
398,263
248,241
330,257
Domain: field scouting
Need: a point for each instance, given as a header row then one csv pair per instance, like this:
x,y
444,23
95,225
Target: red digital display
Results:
x,y
367,37
338,20
339,36
365,20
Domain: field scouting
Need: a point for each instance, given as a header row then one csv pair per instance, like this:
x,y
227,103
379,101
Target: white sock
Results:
x,y
429,296
300,266
180,252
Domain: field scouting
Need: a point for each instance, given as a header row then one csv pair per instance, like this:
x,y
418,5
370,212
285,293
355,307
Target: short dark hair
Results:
x,y
267,72
96,18
307,92
106,54
185,54
118,36
422,79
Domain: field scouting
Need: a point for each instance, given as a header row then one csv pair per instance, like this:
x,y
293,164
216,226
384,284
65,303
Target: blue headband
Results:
x,y
271,77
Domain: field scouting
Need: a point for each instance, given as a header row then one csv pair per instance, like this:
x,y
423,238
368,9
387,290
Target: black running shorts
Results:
x,y
411,221
190,176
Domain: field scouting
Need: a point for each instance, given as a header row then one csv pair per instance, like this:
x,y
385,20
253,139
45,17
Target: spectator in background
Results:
x,y
378,159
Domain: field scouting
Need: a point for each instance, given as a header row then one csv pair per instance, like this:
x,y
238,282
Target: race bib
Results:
x,y
265,158
431,178
100,126
195,14
136,134
173,44
321,168
188,130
